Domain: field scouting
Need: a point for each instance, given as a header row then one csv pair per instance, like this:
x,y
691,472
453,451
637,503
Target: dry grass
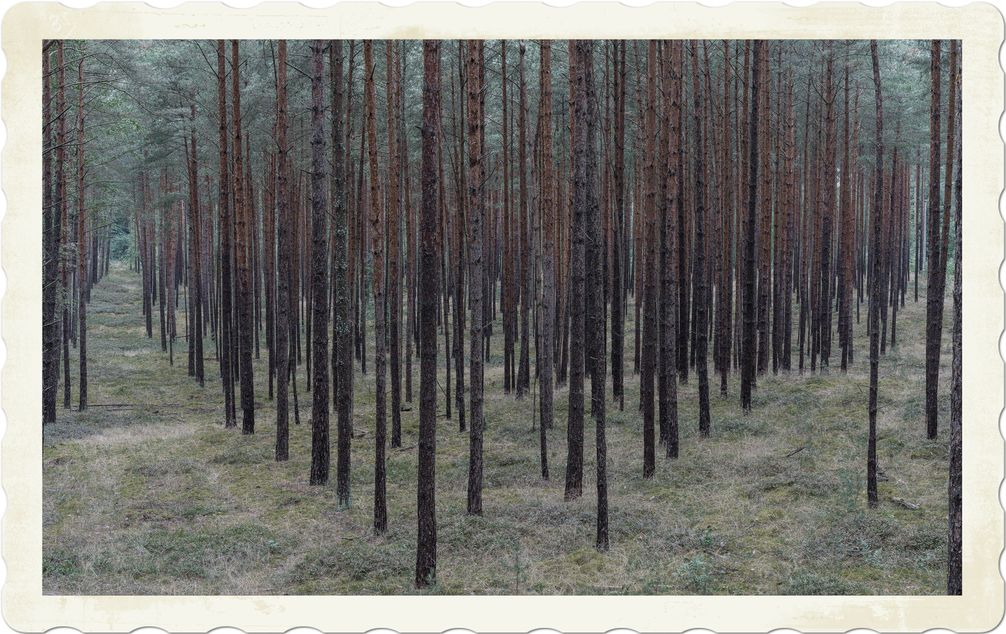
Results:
x,y
159,498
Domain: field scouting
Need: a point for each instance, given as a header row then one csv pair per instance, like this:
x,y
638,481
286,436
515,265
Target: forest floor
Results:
x,y
147,493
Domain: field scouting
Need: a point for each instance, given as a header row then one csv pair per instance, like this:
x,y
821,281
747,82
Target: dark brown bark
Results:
x,y
546,311
393,212
955,537
377,251
243,232
648,361
426,550
342,378
875,290
225,232
934,304
282,334
574,423
748,344
475,286
671,180
82,235
196,257
617,274
701,301
527,264
846,247
319,273
51,249
63,215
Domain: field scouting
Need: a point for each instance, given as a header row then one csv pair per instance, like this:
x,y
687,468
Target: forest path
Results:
x,y
159,498
131,381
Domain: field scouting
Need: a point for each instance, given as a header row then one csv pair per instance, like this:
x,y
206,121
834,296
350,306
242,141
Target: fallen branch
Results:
x,y
905,503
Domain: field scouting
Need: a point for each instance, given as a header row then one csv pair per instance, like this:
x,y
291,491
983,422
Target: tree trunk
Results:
x,y
475,286
319,273
282,334
648,361
394,307
618,185
547,301
342,378
243,231
875,295
954,541
226,338
82,235
934,304
51,248
377,251
426,549
701,302
574,424
748,345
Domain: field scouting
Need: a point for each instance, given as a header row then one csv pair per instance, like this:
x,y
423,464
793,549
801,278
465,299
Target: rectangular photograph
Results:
x,y
501,317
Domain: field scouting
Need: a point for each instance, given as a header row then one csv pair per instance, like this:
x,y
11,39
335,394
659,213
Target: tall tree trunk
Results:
x,y
63,215
875,291
527,263
701,301
426,549
319,272
226,285
282,334
648,361
547,219
51,249
475,287
341,339
82,234
595,272
195,231
670,280
748,344
617,257
377,250
574,424
394,295
243,232
934,303
954,541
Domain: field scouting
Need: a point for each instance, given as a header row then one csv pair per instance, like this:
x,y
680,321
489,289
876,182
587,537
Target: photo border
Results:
x,y
980,28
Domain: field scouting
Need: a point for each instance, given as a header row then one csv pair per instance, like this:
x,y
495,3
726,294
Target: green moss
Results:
x,y
60,563
196,552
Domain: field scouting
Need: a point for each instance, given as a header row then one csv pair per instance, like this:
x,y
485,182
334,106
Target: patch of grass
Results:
x,y
202,552
814,583
60,563
698,575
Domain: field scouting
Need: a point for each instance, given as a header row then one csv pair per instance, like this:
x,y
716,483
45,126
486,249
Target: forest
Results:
x,y
501,317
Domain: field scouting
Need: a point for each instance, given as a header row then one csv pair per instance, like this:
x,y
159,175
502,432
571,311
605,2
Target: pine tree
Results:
x,y
243,230
283,291
475,297
426,550
934,304
319,272
225,232
377,251
875,290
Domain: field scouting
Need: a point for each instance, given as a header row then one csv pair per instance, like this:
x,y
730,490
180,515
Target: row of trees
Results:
x,y
724,188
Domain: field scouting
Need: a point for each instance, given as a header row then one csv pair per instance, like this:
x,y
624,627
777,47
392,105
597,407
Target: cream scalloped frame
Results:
x,y
979,26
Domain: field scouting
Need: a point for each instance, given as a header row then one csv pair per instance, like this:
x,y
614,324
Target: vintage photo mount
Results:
x,y
980,28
